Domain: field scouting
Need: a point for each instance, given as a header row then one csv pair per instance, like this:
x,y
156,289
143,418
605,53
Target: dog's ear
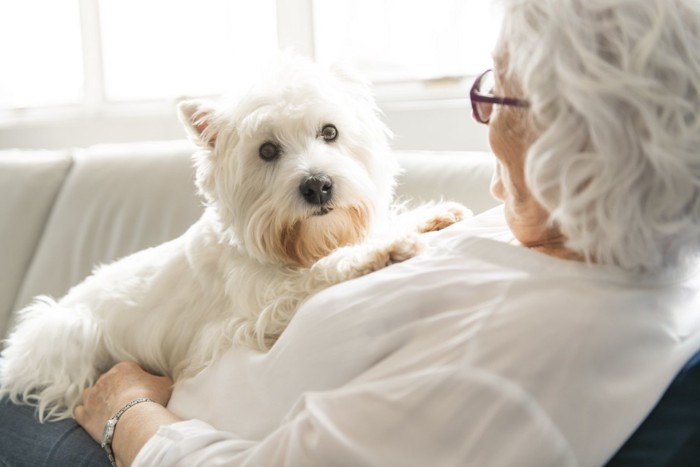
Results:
x,y
197,117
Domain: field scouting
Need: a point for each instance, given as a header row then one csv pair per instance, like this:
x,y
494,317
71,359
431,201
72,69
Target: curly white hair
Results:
x,y
614,87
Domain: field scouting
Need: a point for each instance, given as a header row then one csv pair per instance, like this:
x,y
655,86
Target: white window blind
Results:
x,y
401,40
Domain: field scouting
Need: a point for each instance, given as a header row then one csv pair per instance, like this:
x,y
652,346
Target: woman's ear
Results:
x,y
198,119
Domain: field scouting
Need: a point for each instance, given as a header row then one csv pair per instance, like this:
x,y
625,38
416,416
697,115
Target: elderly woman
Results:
x,y
524,336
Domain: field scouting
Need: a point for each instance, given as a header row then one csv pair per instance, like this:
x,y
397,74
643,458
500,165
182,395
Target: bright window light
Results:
x,y
40,53
159,49
399,40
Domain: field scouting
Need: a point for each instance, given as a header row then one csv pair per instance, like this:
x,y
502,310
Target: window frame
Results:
x,y
440,104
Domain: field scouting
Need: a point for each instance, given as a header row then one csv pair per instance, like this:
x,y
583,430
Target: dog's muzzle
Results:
x,y
317,190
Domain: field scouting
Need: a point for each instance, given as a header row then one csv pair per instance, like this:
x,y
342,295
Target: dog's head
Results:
x,y
298,165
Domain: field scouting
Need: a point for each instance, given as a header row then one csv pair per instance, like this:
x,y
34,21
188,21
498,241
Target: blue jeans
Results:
x,y
26,442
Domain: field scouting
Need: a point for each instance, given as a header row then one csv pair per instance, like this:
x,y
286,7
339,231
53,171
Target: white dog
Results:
x,y
298,181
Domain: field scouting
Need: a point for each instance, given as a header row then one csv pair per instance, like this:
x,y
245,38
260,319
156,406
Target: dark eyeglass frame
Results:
x,y
476,97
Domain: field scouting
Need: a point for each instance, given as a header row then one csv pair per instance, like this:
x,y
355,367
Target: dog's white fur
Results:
x,y
260,249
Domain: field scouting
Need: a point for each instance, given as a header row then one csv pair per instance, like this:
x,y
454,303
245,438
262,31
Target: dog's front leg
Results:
x,y
358,260
432,217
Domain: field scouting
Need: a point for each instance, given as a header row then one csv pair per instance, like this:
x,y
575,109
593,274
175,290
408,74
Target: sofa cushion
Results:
x,y
452,176
117,199
30,181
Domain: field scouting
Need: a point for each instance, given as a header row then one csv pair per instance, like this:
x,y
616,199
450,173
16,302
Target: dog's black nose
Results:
x,y
317,189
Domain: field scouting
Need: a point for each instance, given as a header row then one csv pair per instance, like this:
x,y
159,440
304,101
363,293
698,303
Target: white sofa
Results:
x,y
63,212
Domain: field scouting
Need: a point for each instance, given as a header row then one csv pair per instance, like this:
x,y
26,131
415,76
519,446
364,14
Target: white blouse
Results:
x,y
477,352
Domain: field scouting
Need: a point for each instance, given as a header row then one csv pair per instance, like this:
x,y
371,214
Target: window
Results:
x,y
135,50
79,72
405,40
40,53
168,48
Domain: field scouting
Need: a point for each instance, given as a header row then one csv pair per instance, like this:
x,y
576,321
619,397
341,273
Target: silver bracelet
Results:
x,y
108,431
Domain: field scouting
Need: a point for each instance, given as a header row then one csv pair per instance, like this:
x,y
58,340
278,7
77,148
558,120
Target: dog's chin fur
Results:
x,y
260,249
303,242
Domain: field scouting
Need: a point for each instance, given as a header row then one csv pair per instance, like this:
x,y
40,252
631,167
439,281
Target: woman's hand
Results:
x,y
116,388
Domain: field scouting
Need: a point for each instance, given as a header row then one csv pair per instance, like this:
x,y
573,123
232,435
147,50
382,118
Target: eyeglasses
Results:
x,y
483,100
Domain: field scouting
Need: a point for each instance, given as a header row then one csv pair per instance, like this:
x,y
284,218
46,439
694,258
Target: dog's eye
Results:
x,y
329,133
269,151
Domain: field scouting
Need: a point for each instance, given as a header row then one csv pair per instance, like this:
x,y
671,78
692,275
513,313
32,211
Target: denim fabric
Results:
x,y
26,442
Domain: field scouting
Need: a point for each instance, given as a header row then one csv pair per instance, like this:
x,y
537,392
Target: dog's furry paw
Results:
x,y
403,248
358,260
444,215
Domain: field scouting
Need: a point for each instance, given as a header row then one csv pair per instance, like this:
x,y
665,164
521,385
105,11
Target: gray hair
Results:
x,y
614,87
